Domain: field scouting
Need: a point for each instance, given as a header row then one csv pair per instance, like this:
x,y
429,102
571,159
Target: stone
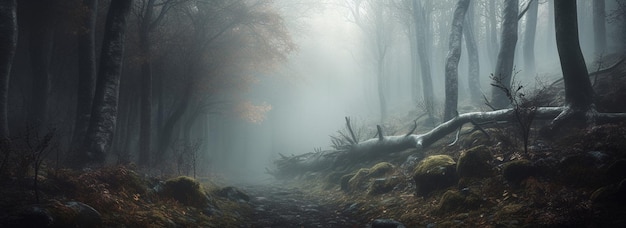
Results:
x,y
434,172
386,223
517,170
475,162
380,169
383,185
233,194
456,201
186,191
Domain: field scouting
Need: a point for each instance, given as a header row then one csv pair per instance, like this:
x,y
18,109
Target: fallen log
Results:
x,y
383,145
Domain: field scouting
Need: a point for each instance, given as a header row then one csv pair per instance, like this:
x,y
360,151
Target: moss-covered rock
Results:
x,y
475,162
457,201
383,185
380,169
359,180
345,179
614,193
581,170
434,172
186,191
518,170
476,138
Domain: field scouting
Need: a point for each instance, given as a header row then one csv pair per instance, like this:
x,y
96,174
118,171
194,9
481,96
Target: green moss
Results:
x,y
383,185
185,190
518,170
455,201
434,172
358,180
345,179
380,169
475,162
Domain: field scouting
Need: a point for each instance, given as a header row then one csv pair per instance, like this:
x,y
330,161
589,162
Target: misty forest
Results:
x,y
313,113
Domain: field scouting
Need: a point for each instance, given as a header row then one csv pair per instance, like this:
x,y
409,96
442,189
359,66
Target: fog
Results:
x,y
333,75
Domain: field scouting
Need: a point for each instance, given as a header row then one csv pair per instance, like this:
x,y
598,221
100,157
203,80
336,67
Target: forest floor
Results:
x,y
576,178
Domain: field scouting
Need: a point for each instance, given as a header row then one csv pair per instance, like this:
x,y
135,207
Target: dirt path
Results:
x,y
276,206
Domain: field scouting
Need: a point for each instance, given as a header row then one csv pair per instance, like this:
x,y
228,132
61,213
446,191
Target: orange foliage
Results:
x,y
251,112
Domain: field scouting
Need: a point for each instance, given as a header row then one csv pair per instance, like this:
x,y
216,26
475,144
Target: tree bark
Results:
x,y
8,44
506,56
452,60
145,128
104,110
424,58
86,72
492,38
529,39
40,42
578,90
599,27
473,77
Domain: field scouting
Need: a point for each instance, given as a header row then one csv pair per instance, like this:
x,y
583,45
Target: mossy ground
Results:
x,y
541,199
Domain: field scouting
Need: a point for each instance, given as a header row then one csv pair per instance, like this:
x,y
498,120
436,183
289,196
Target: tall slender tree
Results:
x,y
599,26
529,38
86,71
473,79
104,109
504,65
421,30
452,60
40,40
578,90
8,44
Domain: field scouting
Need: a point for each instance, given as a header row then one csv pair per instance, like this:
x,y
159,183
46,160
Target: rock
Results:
x,y
386,223
434,172
380,169
345,179
186,191
86,216
476,138
518,170
411,161
582,169
455,201
383,185
233,194
613,193
358,181
475,162
56,214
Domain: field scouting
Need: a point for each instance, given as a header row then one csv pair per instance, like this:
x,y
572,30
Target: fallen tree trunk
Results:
x,y
384,145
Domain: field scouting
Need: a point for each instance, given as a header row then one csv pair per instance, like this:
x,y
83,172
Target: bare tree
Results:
x,y
452,60
473,79
86,72
578,90
504,65
104,111
599,26
8,43
421,32
529,38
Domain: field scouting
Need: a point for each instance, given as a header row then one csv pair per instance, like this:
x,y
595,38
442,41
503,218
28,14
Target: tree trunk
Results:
x,y
40,49
424,57
506,56
529,39
8,43
492,45
599,27
415,81
452,60
104,111
473,77
167,131
578,90
145,129
86,72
